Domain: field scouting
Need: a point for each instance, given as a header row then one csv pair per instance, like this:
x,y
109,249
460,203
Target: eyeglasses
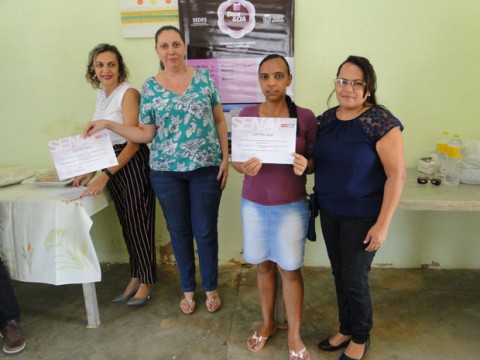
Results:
x,y
424,179
355,84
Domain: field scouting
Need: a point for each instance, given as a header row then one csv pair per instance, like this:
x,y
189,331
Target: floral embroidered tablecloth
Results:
x,y
46,238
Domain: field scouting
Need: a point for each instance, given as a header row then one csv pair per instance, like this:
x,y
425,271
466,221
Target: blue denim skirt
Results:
x,y
276,233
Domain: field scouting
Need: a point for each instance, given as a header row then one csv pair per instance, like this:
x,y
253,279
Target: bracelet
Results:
x,y
108,173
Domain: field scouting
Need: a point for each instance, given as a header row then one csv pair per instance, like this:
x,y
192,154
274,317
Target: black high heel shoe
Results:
x,y
346,357
326,346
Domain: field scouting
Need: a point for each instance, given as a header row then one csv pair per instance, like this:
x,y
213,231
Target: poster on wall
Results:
x,y
142,18
230,38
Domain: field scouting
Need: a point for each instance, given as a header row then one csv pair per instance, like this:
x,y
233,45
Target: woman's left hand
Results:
x,y
223,173
96,186
375,238
299,164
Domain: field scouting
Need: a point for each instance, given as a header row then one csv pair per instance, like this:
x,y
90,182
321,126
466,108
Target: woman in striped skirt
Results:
x,y
128,182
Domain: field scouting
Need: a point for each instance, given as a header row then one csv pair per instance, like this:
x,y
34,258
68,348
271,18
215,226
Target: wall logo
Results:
x,y
273,19
199,21
236,18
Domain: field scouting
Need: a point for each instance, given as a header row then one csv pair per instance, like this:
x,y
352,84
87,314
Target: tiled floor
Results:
x,y
418,314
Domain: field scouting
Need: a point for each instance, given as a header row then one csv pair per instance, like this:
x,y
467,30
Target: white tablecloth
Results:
x,y
46,238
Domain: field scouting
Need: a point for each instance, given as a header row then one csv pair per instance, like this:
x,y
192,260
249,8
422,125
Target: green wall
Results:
x,y
426,54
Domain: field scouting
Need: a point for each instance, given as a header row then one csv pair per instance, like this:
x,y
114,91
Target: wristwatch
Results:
x,y
108,173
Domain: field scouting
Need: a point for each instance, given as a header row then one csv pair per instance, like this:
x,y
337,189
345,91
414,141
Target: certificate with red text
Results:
x,y
76,155
272,140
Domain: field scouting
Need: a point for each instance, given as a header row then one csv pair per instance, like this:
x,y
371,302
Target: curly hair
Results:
x,y
100,48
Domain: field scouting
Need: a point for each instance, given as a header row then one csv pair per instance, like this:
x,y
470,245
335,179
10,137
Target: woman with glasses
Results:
x,y
274,210
359,177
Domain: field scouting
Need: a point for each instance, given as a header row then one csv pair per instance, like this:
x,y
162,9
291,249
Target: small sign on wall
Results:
x,y
142,18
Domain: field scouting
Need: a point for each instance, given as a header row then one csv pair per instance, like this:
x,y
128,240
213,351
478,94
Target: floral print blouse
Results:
x,y
186,138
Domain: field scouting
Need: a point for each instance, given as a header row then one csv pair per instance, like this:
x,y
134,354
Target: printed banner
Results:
x,y
230,38
142,18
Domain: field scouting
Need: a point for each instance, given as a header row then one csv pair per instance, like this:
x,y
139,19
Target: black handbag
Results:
x,y
313,206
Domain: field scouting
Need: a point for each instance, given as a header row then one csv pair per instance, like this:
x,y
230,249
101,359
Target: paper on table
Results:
x,y
71,193
272,140
76,155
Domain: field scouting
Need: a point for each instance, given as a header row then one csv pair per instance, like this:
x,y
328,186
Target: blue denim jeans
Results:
x,y
190,202
351,265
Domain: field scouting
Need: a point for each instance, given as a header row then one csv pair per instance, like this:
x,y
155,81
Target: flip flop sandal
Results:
x,y
256,343
187,306
214,303
301,355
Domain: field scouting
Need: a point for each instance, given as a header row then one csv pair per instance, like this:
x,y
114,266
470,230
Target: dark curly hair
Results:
x,y
100,48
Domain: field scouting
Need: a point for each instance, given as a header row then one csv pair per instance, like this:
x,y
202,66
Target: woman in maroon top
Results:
x,y
274,210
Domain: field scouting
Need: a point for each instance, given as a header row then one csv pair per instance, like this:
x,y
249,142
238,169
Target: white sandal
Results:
x,y
256,343
301,355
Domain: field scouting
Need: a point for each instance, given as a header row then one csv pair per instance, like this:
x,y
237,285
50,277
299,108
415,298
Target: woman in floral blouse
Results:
x,y
181,114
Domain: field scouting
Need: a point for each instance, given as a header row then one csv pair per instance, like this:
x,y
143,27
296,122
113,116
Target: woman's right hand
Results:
x,y
83,180
252,167
95,126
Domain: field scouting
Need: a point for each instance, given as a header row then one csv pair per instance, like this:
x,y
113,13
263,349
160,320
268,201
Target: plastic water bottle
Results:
x,y
442,149
452,164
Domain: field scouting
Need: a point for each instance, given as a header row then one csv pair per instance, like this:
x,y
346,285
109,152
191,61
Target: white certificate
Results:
x,y
76,155
272,140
